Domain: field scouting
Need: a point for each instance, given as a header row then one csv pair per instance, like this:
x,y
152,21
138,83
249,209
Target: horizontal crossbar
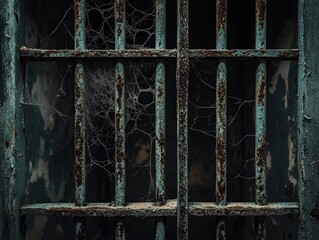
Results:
x,y
53,55
149,209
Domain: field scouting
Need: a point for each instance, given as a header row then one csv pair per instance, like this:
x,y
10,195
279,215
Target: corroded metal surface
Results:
x,y
160,116
12,168
148,209
54,55
79,127
221,105
308,118
120,34
260,139
182,73
221,231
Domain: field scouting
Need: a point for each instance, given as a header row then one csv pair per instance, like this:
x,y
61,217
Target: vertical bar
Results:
x,y
308,117
221,109
182,73
79,128
260,145
221,116
221,231
119,8
12,165
160,121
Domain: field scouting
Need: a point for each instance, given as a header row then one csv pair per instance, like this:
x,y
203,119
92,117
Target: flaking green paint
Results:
x,y
308,118
12,122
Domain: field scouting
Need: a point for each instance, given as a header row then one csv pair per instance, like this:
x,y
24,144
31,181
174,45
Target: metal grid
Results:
x,y
179,207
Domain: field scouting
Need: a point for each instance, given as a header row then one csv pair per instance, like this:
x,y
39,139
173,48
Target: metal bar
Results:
x,y
120,33
260,228
160,115
12,173
221,231
79,128
244,54
308,117
221,110
182,73
260,141
221,116
149,209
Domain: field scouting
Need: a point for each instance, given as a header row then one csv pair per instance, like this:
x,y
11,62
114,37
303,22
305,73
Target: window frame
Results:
x,y
14,57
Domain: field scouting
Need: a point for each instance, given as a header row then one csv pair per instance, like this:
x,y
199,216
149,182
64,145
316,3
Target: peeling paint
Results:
x,y
41,170
285,41
43,94
292,159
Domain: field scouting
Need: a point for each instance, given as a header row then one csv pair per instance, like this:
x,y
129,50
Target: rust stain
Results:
x,y
261,90
261,164
119,142
261,12
79,130
221,14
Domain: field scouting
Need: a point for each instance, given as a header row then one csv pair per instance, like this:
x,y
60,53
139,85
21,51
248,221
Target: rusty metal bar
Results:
x,y
221,116
119,13
221,231
160,116
79,128
149,209
260,142
182,73
221,110
12,164
244,54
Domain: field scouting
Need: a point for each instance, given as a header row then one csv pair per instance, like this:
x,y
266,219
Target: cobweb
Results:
x,y
140,116
140,112
202,120
140,24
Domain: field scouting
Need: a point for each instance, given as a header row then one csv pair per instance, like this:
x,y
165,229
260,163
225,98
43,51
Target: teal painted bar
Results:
x,y
160,116
182,74
260,111
79,127
260,152
243,54
221,117
149,209
308,118
221,105
12,171
119,12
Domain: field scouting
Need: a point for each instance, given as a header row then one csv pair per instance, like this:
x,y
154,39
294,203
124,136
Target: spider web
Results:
x,y
140,116
139,26
202,121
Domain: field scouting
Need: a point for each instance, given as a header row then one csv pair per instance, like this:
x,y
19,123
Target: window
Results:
x,y
94,145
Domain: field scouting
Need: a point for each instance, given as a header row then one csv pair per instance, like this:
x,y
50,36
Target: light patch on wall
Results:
x,y
143,154
41,170
43,95
268,160
292,159
283,67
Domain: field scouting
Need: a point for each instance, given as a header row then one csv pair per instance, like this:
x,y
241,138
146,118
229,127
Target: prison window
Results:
x,y
155,119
